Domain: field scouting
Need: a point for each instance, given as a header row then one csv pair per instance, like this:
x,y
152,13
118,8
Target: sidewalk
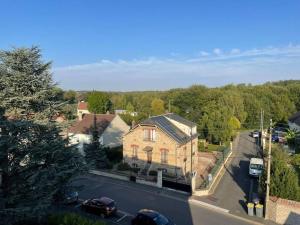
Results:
x,y
209,202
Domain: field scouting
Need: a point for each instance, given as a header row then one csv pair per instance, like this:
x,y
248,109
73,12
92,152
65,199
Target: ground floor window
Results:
x,y
164,155
134,151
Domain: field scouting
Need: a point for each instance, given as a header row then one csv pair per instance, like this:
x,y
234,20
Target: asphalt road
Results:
x,y
130,197
236,187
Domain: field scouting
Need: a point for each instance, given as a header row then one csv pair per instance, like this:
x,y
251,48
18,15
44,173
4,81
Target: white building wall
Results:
x,y
113,134
80,139
294,126
186,129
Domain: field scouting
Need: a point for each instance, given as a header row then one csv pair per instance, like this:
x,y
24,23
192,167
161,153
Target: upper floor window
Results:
x,y
149,134
134,151
185,153
164,155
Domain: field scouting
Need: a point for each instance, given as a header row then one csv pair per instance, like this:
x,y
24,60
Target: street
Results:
x,y
130,197
236,187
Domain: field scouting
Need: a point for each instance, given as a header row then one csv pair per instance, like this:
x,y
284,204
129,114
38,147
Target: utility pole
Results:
x,y
268,172
261,127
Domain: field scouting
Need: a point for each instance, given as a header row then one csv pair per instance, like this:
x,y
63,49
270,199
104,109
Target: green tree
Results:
x,y
129,107
99,102
94,152
35,160
291,136
70,96
157,106
284,180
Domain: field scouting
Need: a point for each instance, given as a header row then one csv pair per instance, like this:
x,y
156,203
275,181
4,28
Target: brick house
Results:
x,y
168,142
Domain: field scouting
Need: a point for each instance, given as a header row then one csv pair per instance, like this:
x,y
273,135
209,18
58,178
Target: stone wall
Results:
x,y
179,156
284,211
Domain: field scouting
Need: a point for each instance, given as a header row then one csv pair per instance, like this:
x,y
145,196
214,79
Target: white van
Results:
x,y
256,167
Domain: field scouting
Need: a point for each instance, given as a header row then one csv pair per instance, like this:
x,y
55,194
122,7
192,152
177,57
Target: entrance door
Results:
x,y
149,156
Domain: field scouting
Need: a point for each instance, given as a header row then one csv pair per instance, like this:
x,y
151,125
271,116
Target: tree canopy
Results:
x,y
99,102
36,161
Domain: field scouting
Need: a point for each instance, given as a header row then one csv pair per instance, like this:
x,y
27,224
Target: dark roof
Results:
x,y
169,128
295,118
85,126
180,119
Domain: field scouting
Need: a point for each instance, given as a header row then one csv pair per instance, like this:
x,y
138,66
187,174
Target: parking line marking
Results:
x,y
126,213
119,220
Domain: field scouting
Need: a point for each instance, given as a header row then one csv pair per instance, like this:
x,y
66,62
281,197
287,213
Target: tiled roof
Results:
x,y
169,128
85,126
82,106
295,118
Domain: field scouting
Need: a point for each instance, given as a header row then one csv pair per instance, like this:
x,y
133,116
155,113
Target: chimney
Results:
x,y
133,123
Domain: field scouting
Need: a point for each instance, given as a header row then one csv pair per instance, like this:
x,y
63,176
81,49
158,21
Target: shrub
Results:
x,y
114,154
71,219
135,169
152,173
124,166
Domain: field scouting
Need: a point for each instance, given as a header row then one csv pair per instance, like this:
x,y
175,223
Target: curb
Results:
x,y
208,205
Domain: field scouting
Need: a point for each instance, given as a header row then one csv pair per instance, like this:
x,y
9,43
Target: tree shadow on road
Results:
x,y
239,174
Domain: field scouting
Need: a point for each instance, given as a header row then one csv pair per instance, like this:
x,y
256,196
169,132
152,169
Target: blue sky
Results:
x,y
157,45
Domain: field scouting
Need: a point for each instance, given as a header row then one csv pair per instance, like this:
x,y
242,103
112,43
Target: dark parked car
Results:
x,y
100,206
150,217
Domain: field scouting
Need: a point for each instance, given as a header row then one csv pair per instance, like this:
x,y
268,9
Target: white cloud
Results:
x,y
254,65
204,53
235,51
217,51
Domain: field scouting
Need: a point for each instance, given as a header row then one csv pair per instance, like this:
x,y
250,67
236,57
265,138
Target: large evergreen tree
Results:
x,y
94,152
35,160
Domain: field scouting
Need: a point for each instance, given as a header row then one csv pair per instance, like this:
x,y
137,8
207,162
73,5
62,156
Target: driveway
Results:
x,y
236,187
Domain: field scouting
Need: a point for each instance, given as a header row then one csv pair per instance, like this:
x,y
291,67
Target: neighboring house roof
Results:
x,y
169,128
295,118
85,126
82,106
180,119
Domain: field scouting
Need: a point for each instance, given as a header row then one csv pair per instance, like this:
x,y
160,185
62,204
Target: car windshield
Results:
x,y
161,220
256,166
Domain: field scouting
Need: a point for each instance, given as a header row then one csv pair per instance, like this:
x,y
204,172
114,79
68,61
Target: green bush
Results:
x,y
124,166
152,173
284,180
114,155
135,169
71,219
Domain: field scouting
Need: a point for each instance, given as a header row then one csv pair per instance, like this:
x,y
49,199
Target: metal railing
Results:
x,y
219,163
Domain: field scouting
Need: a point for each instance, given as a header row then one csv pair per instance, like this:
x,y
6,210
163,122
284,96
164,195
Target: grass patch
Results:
x,y
211,147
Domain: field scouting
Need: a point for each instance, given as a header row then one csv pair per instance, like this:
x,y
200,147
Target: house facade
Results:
x,y
294,121
111,129
82,108
166,142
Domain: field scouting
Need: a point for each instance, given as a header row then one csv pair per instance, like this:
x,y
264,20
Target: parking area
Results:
x,y
120,218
